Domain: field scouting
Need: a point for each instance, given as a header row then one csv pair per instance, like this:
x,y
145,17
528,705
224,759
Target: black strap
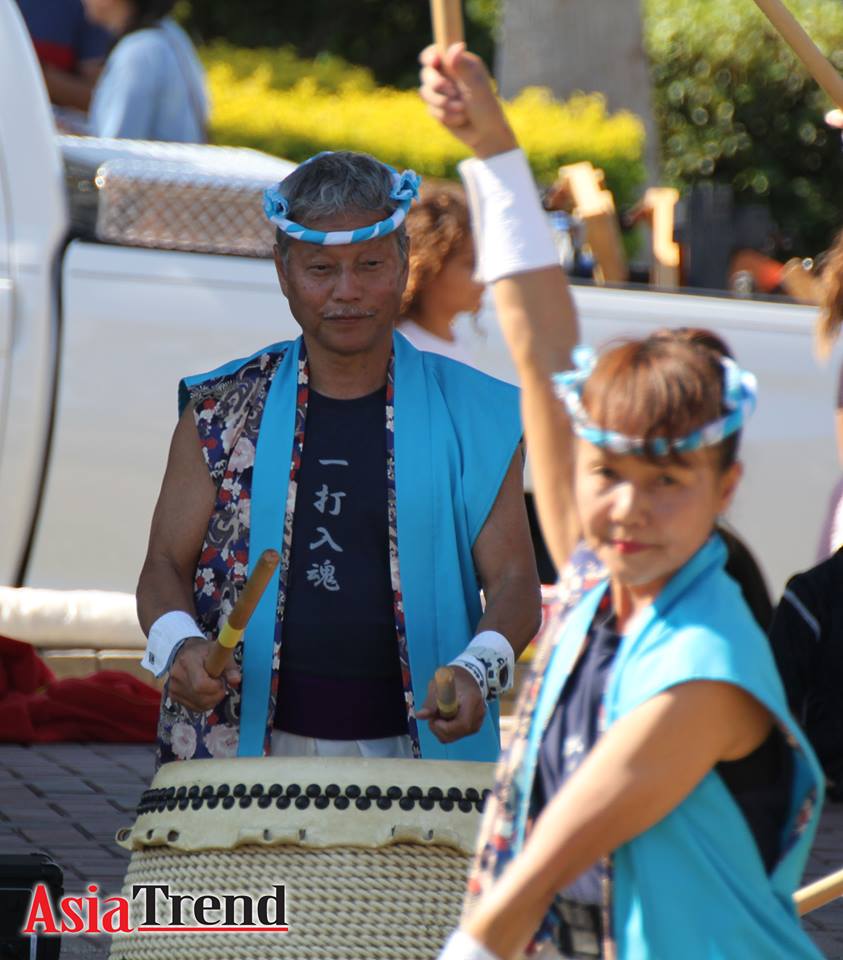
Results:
x,y
580,930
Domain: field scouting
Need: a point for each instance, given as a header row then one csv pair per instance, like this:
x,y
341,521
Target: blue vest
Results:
x,y
693,886
456,431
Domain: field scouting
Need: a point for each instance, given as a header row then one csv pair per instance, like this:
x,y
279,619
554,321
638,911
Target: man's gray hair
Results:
x,y
340,183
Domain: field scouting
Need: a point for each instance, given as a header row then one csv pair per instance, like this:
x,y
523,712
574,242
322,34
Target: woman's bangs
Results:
x,y
639,394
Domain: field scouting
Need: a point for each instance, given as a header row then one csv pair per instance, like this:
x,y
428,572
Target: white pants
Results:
x,y
285,744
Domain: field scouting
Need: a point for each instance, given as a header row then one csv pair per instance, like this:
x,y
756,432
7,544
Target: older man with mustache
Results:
x,y
388,479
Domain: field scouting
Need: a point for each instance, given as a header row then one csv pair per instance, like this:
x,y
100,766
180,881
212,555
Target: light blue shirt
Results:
x,y
152,88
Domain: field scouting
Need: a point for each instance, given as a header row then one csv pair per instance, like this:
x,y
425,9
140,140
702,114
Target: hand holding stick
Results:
x,y
459,94
243,610
447,23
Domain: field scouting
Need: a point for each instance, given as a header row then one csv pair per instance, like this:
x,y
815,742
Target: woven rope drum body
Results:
x,y
373,854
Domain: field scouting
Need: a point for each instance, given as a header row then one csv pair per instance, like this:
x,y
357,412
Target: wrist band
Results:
x,y
475,668
511,231
462,946
490,659
165,637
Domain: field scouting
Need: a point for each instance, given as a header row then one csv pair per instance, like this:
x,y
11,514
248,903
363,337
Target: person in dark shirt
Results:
x,y
71,49
807,639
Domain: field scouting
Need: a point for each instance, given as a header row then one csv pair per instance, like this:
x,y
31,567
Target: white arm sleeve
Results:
x,y
511,230
462,946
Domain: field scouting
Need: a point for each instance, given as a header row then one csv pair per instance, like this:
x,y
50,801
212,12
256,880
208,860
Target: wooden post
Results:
x,y
243,610
804,47
657,208
447,22
595,206
666,252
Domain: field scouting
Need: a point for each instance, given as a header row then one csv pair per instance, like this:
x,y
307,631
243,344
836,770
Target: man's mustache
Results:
x,y
348,312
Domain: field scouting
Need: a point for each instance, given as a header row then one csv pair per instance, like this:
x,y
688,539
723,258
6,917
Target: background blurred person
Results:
x,y
441,283
808,623
805,635
828,330
153,86
70,48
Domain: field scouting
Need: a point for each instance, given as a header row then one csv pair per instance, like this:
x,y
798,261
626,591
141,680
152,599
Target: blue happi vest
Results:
x,y
455,433
694,885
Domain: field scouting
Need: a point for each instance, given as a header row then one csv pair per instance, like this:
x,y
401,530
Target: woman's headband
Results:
x,y
740,390
405,189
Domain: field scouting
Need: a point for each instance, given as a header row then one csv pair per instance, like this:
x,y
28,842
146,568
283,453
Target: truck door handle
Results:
x,y
6,316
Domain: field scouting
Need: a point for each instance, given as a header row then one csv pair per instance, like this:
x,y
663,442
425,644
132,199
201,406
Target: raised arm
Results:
x,y
535,308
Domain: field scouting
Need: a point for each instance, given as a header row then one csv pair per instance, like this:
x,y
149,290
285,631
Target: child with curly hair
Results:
x,y
441,283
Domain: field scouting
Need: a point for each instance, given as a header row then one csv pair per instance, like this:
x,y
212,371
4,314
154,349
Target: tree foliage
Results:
x,y
735,106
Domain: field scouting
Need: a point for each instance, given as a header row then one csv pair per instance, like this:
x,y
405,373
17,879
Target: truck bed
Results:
x,y
135,321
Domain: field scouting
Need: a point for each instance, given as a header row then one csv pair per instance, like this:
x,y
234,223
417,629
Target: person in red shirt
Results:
x,y
70,48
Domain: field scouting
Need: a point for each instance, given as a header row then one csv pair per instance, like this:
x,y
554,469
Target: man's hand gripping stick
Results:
x,y
244,608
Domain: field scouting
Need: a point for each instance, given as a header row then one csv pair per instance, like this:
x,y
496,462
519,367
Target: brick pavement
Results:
x,y
68,800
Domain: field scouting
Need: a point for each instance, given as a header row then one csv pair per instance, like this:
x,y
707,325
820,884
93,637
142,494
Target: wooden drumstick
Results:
x,y
446,693
818,893
804,48
230,634
447,22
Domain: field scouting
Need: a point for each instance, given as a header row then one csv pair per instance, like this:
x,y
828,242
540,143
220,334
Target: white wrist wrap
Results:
x,y
462,946
511,231
490,659
165,636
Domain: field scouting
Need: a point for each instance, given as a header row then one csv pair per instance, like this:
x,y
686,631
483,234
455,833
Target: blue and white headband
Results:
x,y
740,389
405,189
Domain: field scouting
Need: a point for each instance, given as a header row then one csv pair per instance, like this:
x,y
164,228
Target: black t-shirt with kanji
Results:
x,y
340,676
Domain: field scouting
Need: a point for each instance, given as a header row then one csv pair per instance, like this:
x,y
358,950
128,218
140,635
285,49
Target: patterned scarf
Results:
x,y
496,844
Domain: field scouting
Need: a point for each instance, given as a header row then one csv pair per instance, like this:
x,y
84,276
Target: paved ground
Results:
x,y
68,800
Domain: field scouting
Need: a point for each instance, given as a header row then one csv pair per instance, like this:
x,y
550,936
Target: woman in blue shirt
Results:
x,y
657,799
152,87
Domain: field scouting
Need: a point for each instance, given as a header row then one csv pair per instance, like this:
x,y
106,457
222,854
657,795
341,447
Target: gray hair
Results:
x,y
338,183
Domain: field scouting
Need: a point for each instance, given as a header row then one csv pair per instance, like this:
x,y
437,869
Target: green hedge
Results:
x,y
735,106
279,103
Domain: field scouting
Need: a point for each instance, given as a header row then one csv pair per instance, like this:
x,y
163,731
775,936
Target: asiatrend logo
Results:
x,y
153,908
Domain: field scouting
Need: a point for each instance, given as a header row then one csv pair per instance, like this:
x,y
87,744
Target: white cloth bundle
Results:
x,y
70,618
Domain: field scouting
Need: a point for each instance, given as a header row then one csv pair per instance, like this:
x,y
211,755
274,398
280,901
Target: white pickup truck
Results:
x,y
94,336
